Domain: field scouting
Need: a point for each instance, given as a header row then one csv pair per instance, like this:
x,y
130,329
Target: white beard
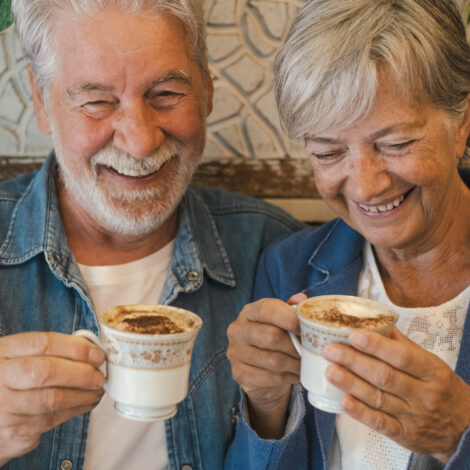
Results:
x,y
130,212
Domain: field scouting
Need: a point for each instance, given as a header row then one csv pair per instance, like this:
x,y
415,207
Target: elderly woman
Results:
x,y
379,90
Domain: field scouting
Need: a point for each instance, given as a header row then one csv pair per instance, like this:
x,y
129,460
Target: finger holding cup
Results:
x,y
331,319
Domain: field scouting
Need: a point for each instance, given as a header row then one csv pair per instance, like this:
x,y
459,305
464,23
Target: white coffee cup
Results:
x,y
316,331
146,373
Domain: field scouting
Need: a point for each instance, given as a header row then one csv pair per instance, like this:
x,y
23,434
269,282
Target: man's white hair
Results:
x,y
34,20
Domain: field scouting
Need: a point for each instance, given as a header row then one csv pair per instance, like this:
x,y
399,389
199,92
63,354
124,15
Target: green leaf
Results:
x,y
6,17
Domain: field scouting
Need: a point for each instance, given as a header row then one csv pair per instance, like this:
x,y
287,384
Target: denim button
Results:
x,y
192,276
186,467
55,259
66,465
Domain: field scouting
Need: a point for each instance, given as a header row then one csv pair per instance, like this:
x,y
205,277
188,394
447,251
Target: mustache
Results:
x,y
123,162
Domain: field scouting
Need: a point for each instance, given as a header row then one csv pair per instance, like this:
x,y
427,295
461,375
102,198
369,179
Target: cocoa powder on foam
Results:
x,y
335,317
149,323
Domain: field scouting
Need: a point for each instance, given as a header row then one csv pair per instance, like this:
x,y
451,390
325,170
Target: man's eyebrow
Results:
x,y
87,87
177,74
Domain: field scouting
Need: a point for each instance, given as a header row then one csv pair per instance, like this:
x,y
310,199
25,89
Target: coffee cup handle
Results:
x,y
90,336
296,343
294,339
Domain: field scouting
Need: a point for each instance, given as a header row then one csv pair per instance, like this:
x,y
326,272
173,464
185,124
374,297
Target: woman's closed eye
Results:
x,y
398,146
327,155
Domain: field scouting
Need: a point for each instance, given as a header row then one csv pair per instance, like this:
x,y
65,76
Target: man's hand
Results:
x,y
402,391
264,361
45,379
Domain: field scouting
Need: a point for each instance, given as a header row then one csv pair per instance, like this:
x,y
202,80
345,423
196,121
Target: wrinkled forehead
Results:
x,y
118,49
112,31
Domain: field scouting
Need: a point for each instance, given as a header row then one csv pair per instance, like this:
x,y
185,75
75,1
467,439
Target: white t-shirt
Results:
x,y
116,443
436,329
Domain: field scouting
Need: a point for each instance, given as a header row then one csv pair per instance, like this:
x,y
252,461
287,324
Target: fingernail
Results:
x,y
358,339
347,404
100,379
334,374
331,352
96,355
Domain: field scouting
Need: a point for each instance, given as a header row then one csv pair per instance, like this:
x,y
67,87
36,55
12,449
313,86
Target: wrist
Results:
x,y
268,418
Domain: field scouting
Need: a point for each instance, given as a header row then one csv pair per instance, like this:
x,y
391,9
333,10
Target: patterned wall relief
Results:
x,y
243,37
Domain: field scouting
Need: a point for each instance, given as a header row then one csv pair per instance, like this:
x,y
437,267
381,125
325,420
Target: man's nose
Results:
x,y
368,177
137,130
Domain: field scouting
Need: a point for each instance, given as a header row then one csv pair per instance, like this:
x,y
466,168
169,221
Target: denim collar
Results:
x,y
36,226
336,259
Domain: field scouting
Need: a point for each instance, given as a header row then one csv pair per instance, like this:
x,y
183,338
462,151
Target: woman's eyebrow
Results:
x,y
322,140
406,126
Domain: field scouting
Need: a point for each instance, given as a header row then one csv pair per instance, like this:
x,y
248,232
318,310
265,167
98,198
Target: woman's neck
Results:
x,y
436,270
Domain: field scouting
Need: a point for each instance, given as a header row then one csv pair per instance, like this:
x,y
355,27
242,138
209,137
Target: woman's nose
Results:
x,y
368,177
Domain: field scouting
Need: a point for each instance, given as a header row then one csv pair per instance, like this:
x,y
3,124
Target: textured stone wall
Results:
x,y
243,37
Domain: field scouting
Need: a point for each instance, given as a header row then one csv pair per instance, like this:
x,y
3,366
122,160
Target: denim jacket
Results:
x,y
219,240
323,261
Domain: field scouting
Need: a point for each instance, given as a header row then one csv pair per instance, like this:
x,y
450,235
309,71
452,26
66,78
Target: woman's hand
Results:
x,y
402,391
264,361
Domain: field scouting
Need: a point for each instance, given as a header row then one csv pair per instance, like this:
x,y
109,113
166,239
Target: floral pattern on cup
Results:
x,y
145,354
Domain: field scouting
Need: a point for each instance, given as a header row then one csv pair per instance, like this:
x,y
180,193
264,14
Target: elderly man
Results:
x,y
124,90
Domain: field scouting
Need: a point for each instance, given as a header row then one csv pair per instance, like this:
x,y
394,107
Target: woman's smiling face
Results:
x,y
393,176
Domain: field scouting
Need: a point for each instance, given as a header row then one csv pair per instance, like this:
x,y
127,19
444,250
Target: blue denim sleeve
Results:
x,y
263,282
461,459
250,452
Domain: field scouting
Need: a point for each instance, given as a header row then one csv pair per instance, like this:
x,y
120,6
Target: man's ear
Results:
x,y
209,87
463,132
39,106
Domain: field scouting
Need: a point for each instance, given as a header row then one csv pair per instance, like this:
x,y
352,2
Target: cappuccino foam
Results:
x,y
333,316
154,321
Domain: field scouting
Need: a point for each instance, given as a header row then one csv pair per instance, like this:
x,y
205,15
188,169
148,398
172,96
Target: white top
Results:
x,y
437,329
116,443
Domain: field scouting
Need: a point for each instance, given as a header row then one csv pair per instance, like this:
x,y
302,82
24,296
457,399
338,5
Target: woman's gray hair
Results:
x,y
34,20
326,72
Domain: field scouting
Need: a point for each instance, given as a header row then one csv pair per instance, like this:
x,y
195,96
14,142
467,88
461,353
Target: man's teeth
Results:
x,y
384,207
137,173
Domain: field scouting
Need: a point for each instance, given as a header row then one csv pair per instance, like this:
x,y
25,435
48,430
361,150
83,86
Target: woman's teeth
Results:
x,y
384,207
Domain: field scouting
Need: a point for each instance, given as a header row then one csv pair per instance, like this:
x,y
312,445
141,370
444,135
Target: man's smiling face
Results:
x,y
127,112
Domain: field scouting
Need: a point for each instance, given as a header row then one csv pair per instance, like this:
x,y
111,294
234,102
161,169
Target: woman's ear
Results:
x,y
39,105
